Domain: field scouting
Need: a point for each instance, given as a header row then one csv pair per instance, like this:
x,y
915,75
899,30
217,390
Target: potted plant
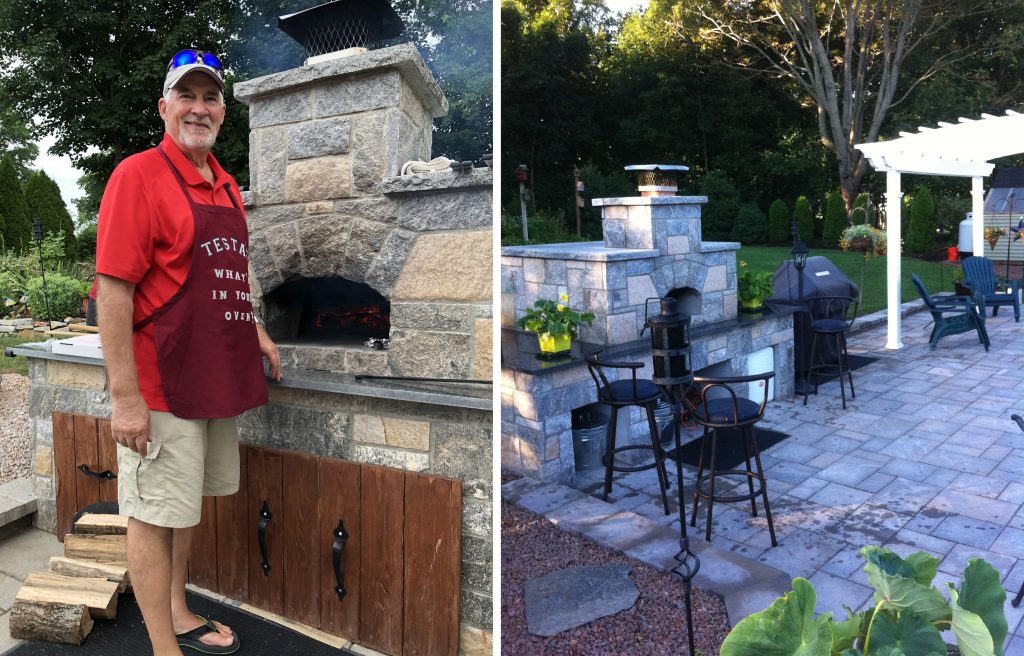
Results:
x,y
907,617
753,287
864,238
555,324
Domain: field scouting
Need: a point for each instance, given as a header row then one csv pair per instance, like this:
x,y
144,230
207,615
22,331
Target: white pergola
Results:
x,y
963,149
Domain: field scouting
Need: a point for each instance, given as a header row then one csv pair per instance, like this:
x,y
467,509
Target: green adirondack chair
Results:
x,y
954,314
981,275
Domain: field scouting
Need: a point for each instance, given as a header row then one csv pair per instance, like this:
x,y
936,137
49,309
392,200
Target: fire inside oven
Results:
x,y
327,310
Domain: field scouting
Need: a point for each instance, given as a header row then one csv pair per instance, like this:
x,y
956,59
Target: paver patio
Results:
x,y
925,458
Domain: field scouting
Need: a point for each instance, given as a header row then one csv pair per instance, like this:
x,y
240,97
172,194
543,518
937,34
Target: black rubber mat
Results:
x,y
730,448
126,635
856,362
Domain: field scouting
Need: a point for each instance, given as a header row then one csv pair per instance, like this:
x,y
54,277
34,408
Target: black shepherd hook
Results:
x,y
1020,593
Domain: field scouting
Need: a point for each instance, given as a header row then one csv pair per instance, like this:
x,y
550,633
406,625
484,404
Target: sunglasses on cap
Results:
x,y
186,57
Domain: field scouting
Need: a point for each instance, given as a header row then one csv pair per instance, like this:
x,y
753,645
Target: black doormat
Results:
x,y
126,634
730,447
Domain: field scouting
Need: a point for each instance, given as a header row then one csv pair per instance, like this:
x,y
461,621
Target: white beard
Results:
x,y
201,141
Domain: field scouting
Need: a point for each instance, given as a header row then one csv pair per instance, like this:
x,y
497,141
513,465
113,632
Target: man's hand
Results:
x,y
129,424
269,351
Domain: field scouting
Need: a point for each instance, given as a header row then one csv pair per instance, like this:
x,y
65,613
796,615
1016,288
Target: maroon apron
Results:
x,y
207,349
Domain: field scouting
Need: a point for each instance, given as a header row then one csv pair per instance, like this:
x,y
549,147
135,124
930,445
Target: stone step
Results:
x,y
17,500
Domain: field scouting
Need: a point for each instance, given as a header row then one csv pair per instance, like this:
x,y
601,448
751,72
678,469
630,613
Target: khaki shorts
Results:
x,y
187,460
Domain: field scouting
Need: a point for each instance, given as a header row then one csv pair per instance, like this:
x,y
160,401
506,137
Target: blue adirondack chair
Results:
x,y
954,314
981,275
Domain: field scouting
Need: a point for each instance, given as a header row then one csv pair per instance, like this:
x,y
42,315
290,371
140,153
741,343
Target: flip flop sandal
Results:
x,y
191,639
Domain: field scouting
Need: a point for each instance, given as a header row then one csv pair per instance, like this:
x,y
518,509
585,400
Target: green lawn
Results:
x,y
19,364
936,276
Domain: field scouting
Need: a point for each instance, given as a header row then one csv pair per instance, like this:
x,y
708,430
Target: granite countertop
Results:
x,y
455,393
519,348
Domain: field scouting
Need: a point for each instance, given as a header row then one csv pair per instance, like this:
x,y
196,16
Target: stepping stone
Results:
x,y
576,596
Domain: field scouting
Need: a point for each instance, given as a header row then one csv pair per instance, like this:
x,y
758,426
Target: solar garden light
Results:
x,y
37,237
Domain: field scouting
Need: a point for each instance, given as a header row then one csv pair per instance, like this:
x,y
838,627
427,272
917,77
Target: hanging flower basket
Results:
x,y
864,239
861,244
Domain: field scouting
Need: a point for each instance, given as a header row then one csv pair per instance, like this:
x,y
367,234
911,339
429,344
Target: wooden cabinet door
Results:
x,y
233,526
302,535
266,562
340,504
382,549
82,448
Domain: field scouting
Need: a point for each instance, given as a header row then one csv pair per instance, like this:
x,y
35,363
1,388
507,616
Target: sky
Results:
x,y
622,6
60,171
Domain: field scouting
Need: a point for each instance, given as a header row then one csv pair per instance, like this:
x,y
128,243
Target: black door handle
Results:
x,y
265,517
340,538
105,474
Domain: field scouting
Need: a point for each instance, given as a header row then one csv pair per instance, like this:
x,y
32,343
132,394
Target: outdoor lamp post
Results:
x,y
37,237
799,256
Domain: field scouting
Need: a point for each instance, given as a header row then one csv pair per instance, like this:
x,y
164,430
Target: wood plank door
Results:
x,y
302,533
82,441
202,557
233,526
266,529
433,519
382,549
340,506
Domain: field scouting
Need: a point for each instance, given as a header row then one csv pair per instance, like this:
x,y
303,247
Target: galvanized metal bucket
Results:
x,y
590,435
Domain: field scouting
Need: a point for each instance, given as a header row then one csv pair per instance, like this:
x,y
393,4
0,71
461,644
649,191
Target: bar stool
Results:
x,y
831,316
720,407
624,393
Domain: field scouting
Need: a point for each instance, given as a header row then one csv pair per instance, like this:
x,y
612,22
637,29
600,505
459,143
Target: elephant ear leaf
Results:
x,y
786,628
972,635
908,635
924,567
982,594
896,581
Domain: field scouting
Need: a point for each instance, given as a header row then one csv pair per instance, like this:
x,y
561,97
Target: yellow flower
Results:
x,y
742,264
564,297
560,307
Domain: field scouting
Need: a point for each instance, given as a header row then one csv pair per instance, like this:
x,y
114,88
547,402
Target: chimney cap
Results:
x,y
342,24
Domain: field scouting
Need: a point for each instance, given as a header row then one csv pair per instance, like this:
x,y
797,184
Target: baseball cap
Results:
x,y
190,60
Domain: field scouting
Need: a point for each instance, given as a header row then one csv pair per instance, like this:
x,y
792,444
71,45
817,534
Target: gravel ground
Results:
x,y
531,547
15,443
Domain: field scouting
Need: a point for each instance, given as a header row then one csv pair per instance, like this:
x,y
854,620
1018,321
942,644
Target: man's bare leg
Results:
x,y
149,562
183,618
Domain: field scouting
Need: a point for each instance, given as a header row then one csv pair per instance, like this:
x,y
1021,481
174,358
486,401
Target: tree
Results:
x,y
804,219
43,201
15,137
921,232
749,227
835,219
719,215
14,222
846,56
778,222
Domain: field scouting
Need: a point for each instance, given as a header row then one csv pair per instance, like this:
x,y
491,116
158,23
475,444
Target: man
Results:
x,y
182,351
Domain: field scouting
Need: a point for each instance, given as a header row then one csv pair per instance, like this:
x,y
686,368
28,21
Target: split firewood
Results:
x,y
50,621
82,328
99,595
109,549
96,524
71,567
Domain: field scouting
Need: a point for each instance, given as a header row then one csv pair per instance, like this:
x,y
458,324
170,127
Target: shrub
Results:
x,y
921,233
749,226
63,293
835,218
778,222
719,215
87,242
804,219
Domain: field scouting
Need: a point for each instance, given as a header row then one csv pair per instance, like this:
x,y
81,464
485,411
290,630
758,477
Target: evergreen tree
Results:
x,y
44,202
921,233
835,218
87,242
778,222
804,219
719,215
15,225
750,225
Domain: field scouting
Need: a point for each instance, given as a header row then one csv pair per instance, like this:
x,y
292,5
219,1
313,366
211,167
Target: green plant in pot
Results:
x,y
556,324
753,287
906,619
864,238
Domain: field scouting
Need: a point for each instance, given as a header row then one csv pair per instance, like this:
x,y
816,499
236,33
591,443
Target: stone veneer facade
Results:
x,y
652,246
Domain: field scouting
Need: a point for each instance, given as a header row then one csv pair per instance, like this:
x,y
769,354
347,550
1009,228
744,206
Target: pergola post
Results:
x,y
893,204
977,216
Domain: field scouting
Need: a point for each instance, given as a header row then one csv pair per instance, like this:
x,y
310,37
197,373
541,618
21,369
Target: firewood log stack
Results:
x,y
60,605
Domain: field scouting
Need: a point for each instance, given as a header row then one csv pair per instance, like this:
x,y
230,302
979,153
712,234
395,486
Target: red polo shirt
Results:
x,y
145,236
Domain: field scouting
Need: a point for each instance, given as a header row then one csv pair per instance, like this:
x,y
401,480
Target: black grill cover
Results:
x,y
821,278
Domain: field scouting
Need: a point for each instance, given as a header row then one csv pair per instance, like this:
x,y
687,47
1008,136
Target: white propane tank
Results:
x,y
966,243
